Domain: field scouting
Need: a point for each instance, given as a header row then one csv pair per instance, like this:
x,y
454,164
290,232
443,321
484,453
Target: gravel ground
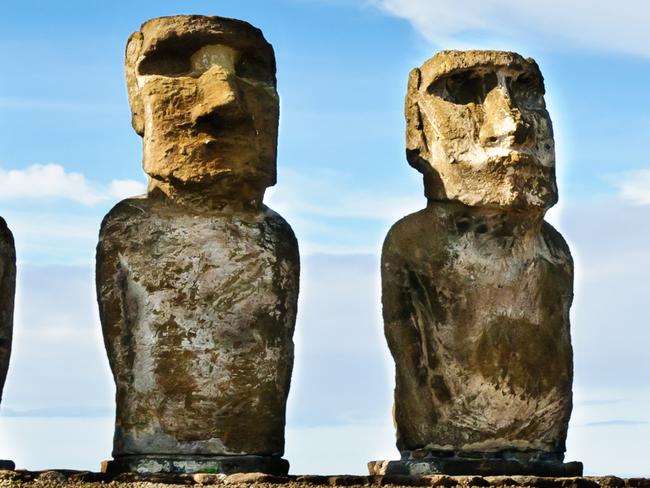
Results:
x,y
84,479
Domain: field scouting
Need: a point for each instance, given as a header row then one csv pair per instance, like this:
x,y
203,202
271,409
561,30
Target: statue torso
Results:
x,y
198,311
477,318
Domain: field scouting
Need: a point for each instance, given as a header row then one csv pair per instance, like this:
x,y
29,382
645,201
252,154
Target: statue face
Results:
x,y
479,130
207,107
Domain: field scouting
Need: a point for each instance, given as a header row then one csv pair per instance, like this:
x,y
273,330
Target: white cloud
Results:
x,y
56,328
52,181
339,449
634,186
51,236
121,189
606,26
44,443
332,194
608,240
53,104
331,214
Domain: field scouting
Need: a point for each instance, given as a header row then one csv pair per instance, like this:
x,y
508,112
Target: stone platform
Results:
x,y
475,467
86,479
196,464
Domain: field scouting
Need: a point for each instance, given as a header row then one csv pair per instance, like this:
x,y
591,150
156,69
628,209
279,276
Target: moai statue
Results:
x,y
476,287
197,281
7,293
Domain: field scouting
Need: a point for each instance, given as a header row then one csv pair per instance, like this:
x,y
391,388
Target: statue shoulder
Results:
x,y
278,223
125,212
7,245
555,243
419,231
120,225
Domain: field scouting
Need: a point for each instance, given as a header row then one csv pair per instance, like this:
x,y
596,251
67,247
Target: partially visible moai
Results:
x,y
7,293
197,281
476,287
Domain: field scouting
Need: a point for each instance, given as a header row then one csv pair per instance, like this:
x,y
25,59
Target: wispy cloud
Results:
x,y
595,403
52,181
68,411
619,423
333,194
605,26
634,186
119,189
18,103
331,214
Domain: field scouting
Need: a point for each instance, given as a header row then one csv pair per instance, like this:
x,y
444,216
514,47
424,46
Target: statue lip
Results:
x,y
516,157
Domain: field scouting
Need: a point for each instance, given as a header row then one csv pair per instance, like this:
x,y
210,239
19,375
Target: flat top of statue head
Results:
x,y
445,63
164,36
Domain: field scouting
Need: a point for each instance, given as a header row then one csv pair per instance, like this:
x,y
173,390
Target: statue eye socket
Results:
x,y
166,63
528,92
464,87
254,69
526,82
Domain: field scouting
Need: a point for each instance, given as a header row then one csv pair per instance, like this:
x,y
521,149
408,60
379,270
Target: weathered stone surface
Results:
x,y
349,480
208,479
84,477
460,465
213,465
203,97
139,479
442,480
197,281
403,480
67,478
476,288
52,477
638,482
312,479
501,481
254,478
479,132
7,294
612,481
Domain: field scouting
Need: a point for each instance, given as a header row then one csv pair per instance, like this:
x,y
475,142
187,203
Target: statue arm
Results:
x,y
7,293
398,307
407,322
109,283
289,255
559,249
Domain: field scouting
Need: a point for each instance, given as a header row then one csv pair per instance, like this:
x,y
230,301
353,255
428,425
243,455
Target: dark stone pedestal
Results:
x,y
196,464
7,465
456,466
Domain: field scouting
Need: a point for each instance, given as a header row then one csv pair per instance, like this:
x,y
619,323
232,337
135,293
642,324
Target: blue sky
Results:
x,y
68,153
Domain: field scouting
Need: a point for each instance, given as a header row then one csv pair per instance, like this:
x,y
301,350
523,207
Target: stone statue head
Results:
x,y
478,129
203,97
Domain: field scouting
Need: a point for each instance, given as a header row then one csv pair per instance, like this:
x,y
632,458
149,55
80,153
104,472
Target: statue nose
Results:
x,y
218,96
503,124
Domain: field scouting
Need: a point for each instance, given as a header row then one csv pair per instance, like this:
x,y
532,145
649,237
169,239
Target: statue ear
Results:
x,y
416,146
133,48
